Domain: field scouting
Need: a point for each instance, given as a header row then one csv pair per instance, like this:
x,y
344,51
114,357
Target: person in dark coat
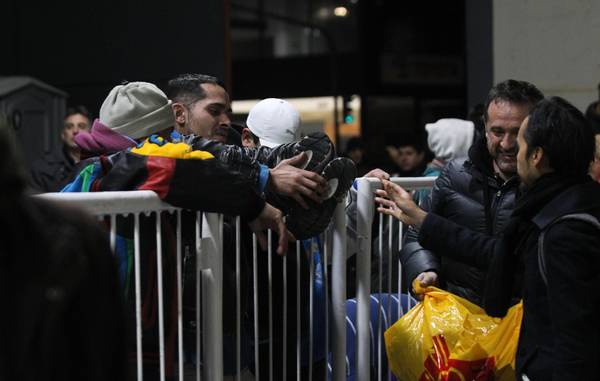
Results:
x,y
550,250
55,169
477,193
63,317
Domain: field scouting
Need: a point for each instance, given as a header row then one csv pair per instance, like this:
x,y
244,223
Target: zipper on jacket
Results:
x,y
504,188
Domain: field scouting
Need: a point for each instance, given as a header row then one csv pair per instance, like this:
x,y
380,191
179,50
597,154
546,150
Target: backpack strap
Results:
x,y
585,217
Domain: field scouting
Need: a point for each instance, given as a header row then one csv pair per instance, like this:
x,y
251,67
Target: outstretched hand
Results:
x,y
288,180
397,202
271,218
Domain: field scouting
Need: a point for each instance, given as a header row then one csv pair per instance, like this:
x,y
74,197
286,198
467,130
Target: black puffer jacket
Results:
x,y
558,338
472,195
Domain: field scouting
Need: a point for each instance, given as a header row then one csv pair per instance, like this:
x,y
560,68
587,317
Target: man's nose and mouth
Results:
x,y
507,155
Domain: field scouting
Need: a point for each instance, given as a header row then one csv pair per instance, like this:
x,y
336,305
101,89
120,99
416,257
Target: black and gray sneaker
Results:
x,y
307,223
339,173
318,147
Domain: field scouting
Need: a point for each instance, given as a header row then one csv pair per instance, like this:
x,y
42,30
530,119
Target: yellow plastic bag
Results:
x,y
448,338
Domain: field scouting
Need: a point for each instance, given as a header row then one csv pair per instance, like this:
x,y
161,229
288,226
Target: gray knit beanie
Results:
x,y
137,110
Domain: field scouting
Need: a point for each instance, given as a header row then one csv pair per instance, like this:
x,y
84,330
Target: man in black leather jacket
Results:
x,y
478,193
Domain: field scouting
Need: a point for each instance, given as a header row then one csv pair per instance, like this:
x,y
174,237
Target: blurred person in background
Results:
x,y
64,316
355,151
55,169
408,158
448,139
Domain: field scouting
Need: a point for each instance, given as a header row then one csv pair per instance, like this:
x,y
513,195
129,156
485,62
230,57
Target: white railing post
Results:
x,y
338,294
365,211
212,296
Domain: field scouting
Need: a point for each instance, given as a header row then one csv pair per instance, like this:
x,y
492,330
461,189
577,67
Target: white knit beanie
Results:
x,y
274,121
450,138
137,110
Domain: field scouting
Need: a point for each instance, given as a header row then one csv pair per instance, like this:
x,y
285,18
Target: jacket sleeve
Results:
x,y
478,249
444,236
416,259
207,185
241,159
572,252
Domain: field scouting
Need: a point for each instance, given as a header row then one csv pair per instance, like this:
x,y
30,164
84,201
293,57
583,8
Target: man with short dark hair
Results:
x,y
201,106
549,252
477,193
54,170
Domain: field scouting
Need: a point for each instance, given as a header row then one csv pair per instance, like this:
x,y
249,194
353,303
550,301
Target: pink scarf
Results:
x,y
101,140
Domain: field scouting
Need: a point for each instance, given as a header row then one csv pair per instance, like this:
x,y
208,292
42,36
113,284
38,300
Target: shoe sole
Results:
x,y
339,173
319,149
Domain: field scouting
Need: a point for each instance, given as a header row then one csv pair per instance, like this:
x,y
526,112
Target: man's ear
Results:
x,y
247,138
537,157
179,111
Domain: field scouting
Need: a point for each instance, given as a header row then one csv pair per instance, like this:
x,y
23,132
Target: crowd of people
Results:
x,y
513,213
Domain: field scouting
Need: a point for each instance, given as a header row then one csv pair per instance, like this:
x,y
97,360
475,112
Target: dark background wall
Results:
x,y
87,47
410,62
479,50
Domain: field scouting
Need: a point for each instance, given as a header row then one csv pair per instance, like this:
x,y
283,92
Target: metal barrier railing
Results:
x,y
209,280
365,216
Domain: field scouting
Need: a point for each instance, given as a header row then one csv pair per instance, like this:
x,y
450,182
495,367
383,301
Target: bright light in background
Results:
x,y
340,11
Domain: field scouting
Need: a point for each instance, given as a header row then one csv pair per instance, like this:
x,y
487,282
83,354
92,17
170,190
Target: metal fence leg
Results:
x,y
212,295
365,212
338,295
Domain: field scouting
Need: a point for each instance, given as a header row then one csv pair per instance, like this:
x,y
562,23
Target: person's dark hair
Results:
x,y
353,143
411,141
513,91
79,109
593,114
564,134
187,89
477,116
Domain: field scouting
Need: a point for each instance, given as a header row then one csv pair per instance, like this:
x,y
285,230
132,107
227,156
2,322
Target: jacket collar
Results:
x,y
480,157
481,161
584,197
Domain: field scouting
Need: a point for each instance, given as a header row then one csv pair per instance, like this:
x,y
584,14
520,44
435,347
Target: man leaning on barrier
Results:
x,y
187,175
478,193
299,172
180,175
549,252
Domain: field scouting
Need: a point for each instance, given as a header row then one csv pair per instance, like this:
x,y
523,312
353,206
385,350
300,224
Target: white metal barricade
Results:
x,y
365,215
209,271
